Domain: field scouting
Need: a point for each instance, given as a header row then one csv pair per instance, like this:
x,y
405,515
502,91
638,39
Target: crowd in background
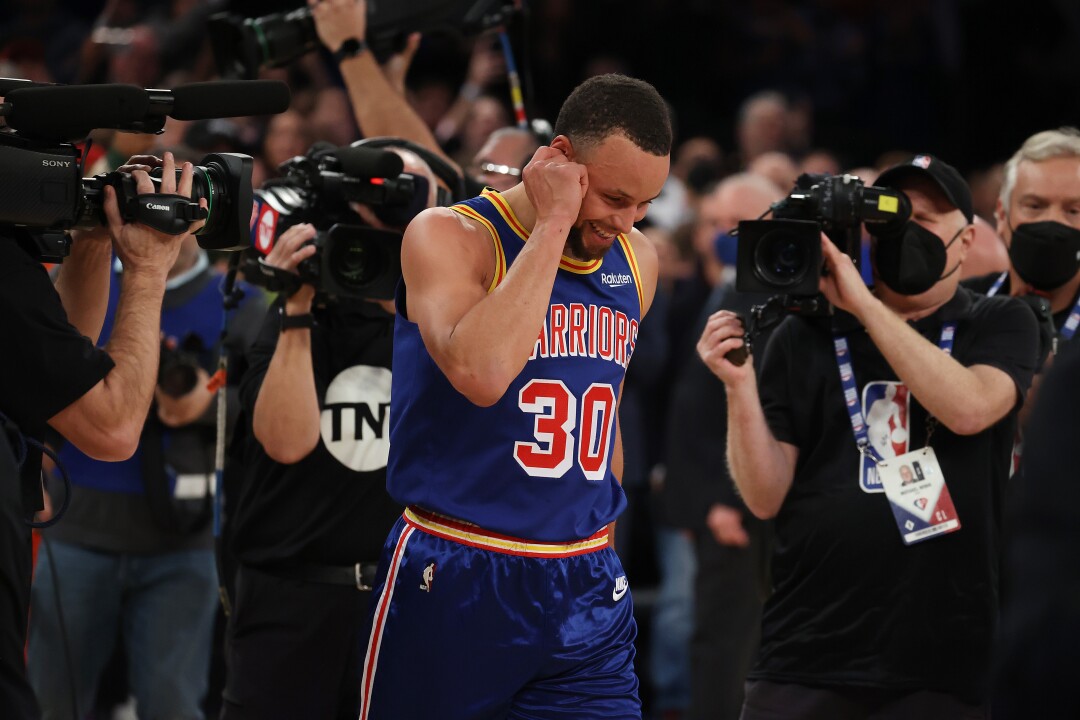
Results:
x,y
760,92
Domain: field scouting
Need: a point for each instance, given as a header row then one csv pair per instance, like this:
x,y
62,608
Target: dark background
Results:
x,y
964,79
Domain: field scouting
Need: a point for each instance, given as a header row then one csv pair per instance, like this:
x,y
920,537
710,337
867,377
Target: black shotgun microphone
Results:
x,y
59,113
62,112
229,98
365,162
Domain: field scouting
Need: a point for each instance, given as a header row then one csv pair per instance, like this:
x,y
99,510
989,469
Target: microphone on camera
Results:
x,y
368,162
229,98
60,113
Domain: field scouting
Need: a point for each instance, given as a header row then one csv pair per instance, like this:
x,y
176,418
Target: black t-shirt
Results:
x,y
46,363
331,508
983,283
852,605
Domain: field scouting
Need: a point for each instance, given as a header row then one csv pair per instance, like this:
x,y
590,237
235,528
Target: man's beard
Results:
x,y
576,244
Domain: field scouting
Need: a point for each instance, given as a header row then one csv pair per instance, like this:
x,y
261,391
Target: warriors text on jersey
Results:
x,y
536,464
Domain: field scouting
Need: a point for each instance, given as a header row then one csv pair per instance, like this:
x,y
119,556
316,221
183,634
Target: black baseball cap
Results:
x,y
944,175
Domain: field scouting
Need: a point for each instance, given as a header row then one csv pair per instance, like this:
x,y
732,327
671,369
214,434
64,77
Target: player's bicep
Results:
x,y
442,264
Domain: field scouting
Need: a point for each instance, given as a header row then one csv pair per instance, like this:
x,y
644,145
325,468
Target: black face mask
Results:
x,y
1045,254
911,259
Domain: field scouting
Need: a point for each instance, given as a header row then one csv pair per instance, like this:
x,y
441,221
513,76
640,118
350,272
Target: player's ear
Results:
x,y
563,145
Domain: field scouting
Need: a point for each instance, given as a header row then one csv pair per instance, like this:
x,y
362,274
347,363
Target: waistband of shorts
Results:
x,y
466,533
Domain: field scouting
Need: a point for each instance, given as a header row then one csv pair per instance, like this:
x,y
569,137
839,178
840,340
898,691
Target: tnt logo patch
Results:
x,y
355,421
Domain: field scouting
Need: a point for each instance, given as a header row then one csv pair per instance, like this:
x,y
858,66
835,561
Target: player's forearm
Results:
x,y
760,466
379,109
83,285
286,415
954,394
491,343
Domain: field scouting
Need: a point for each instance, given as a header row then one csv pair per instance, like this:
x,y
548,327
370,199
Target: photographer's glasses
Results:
x,y
495,169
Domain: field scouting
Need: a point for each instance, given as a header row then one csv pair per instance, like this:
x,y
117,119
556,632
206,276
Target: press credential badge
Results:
x,y
920,499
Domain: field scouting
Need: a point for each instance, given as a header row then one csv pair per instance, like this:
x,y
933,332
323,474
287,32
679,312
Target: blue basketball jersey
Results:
x,y
536,464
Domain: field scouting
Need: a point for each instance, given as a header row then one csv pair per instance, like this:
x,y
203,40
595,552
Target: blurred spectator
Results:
x,y
486,67
287,136
486,115
820,162
43,38
867,174
776,167
762,125
499,161
987,253
985,190
730,544
331,119
698,162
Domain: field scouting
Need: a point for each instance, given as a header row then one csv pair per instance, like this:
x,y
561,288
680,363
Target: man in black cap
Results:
x,y
885,595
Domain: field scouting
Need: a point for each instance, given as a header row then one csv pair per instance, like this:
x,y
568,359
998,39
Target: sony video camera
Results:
x,y
43,193
783,255
352,259
242,46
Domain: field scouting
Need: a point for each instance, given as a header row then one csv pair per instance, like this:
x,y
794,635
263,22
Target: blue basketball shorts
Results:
x,y
466,624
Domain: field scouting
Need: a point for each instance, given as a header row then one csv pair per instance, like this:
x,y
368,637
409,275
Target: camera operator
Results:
x,y
313,510
55,377
134,555
862,622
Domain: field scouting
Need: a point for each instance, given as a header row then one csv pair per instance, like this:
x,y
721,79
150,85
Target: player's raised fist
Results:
x,y
554,184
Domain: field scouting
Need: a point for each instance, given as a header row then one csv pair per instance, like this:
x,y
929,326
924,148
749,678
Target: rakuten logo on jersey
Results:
x,y
355,422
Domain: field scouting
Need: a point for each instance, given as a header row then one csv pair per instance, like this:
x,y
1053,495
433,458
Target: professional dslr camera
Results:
x,y
352,260
43,193
784,255
244,45
178,368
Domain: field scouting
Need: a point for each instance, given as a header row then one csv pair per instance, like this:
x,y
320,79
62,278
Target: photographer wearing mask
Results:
x,y
134,555
312,510
885,596
56,378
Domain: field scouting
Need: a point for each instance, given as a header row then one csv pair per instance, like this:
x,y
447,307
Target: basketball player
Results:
x,y
518,313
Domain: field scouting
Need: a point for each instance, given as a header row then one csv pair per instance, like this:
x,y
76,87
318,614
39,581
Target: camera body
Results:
x,y
352,259
784,254
242,46
43,195
178,367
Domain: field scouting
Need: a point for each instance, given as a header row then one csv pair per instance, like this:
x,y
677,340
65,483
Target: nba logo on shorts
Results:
x,y
886,408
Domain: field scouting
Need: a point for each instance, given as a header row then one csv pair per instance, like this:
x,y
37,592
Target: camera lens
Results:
x,y
782,258
355,262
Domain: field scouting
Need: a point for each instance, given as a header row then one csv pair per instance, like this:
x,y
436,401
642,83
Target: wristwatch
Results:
x,y
350,48
288,322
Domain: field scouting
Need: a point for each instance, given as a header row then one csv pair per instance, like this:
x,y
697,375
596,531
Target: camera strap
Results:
x,y
851,390
1067,330
170,214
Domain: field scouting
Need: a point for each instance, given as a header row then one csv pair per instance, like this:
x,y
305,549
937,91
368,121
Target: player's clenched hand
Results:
x,y
555,185
723,333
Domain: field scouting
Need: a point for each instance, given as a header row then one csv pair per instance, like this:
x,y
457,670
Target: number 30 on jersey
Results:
x,y
557,446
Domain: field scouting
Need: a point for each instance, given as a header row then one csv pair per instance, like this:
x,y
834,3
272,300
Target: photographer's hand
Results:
x,y
723,333
186,409
140,248
842,284
338,20
292,248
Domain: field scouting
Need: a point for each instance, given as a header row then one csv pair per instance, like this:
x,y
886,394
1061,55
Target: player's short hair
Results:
x,y
611,104
1045,145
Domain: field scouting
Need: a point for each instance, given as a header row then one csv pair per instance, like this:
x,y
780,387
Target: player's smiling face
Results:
x,y
623,180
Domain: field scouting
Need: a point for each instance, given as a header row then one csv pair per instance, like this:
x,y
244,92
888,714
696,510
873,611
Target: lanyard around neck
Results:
x,y
851,390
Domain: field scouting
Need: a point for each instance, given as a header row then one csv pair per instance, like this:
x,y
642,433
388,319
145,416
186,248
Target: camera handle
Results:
x,y
769,314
